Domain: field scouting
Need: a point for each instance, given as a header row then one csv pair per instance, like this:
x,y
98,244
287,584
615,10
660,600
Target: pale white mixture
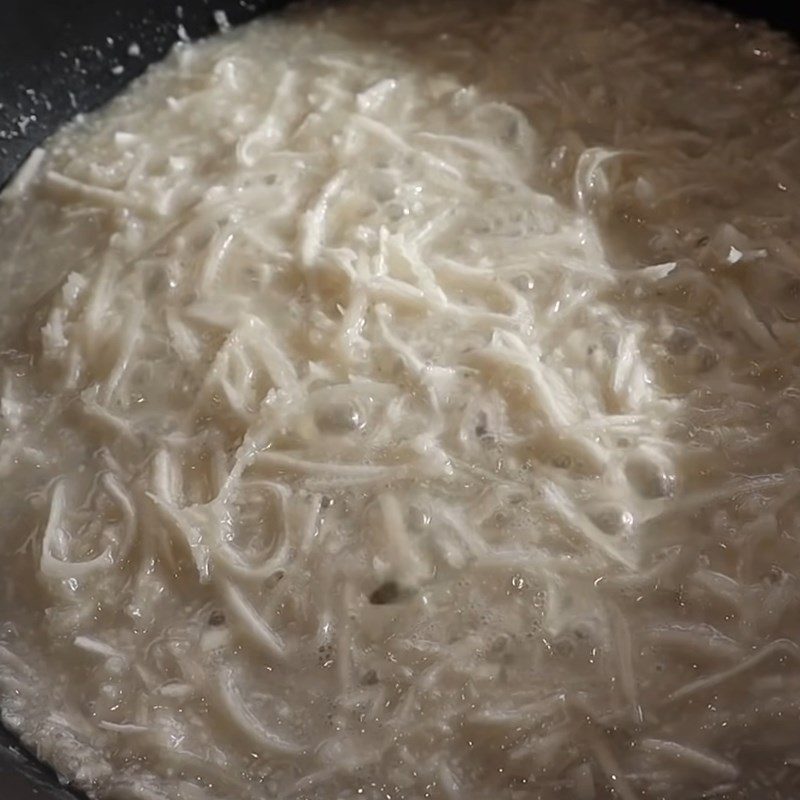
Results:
x,y
400,401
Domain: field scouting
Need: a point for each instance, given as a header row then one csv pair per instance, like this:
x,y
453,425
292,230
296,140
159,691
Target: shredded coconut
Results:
x,y
402,402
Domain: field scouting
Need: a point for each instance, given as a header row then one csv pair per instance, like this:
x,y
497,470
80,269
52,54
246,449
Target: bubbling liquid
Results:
x,y
402,403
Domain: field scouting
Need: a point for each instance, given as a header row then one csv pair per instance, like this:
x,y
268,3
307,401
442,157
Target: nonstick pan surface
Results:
x,y
61,57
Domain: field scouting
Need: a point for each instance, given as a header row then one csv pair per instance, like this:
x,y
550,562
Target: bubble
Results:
x,y
613,519
500,519
482,425
396,211
418,518
216,618
649,479
562,461
387,592
369,678
523,282
339,418
499,646
115,665
563,646
325,652
774,575
703,358
383,187
274,579
680,342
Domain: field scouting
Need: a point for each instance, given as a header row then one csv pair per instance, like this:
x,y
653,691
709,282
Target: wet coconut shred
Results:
x,y
400,401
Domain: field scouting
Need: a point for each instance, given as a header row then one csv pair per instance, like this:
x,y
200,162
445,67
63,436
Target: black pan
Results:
x,y
60,57
56,56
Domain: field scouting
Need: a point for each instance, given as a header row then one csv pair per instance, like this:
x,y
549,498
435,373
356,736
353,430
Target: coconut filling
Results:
x,y
401,402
